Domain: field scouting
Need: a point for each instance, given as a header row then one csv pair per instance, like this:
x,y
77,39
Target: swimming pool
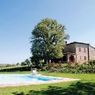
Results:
x,y
27,79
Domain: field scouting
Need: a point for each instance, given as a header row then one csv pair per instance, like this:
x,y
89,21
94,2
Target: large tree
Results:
x,y
47,40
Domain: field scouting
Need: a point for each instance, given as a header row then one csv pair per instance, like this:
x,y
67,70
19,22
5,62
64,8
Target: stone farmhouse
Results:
x,y
78,52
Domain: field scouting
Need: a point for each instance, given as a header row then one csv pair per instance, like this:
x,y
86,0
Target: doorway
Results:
x,y
71,59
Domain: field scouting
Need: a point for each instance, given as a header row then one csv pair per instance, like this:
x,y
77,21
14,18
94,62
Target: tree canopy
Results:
x,y
47,40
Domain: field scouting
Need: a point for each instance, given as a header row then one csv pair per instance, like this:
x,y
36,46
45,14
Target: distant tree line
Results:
x,y
27,62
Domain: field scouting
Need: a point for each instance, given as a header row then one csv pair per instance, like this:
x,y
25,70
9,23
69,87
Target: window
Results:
x,y
84,49
80,57
84,57
79,49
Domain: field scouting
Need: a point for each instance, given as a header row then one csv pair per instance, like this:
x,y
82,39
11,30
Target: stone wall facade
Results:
x,y
78,52
91,53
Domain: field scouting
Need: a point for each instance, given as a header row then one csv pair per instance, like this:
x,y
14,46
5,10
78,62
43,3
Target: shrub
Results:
x,y
75,68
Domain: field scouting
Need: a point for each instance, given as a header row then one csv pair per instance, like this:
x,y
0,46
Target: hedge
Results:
x,y
13,69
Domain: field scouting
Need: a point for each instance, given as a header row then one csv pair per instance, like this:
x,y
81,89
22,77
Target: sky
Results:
x,y
19,17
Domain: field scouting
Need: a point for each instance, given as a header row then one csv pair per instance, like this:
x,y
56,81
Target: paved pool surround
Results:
x,y
29,79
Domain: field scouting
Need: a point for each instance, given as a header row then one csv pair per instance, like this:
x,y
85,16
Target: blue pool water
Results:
x,y
16,79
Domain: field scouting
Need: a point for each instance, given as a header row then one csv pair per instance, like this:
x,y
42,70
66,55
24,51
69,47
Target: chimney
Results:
x,y
65,42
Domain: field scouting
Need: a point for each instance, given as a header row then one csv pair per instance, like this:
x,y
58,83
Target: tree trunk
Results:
x,y
45,61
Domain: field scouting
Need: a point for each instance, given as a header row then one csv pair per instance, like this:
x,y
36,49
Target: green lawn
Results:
x,y
55,89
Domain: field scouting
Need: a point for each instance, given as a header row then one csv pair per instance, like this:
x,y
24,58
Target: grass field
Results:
x,y
84,87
